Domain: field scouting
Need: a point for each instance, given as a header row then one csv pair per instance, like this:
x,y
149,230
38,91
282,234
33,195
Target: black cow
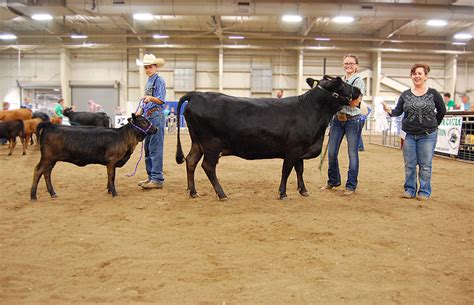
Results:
x,y
83,145
10,130
99,119
290,128
43,116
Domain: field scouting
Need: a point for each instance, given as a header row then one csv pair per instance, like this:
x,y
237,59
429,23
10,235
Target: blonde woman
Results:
x,y
346,122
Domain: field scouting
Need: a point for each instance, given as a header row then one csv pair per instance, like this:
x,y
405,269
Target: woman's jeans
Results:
x,y
419,150
154,148
350,128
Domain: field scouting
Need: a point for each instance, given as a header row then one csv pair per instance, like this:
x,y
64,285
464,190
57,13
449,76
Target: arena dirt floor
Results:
x,y
161,247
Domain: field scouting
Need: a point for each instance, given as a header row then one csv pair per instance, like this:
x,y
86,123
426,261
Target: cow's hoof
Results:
x,y
304,194
34,198
24,153
224,198
9,154
283,197
193,195
54,195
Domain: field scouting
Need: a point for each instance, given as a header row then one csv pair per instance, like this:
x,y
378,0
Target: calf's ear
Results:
x,y
133,116
310,82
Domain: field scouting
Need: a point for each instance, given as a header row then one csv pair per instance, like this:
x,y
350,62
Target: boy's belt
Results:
x,y
149,112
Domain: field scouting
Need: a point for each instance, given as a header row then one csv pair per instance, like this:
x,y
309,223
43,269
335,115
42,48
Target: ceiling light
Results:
x,y
463,36
159,36
396,41
292,18
436,22
322,39
143,16
459,43
78,36
236,37
7,37
42,17
343,19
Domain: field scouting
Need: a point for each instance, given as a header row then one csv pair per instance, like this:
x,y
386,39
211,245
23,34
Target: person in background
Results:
x,y
27,103
449,102
152,106
466,103
5,106
94,107
363,118
59,108
424,110
279,93
346,123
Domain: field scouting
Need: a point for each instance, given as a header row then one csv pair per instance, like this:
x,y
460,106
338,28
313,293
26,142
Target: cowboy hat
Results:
x,y
150,59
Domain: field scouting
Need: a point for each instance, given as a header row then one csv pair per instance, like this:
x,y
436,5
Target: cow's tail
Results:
x,y
22,132
179,150
40,131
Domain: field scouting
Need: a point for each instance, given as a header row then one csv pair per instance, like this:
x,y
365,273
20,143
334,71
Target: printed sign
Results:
x,y
449,135
120,120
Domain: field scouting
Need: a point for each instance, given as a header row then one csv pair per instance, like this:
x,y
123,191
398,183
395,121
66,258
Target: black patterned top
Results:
x,y
423,113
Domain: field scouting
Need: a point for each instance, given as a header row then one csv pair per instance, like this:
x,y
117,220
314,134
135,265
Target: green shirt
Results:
x,y
450,105
356,81
58,110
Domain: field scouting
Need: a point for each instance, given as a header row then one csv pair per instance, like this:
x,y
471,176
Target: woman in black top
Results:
x,y
423,109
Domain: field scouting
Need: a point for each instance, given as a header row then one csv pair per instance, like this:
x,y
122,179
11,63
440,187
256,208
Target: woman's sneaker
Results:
x,y
408,195
153,185
143,182
327,187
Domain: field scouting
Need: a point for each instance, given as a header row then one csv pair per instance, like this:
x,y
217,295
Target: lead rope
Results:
x,y
141,150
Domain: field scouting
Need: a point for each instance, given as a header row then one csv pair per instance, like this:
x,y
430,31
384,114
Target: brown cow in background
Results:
x,y
16,114
30,128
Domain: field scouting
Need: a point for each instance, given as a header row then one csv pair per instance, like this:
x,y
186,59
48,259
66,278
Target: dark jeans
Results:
x,y
350,129
154,148
419,150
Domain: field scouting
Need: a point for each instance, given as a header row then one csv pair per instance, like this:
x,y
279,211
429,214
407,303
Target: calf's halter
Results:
x,y
145,131
337,95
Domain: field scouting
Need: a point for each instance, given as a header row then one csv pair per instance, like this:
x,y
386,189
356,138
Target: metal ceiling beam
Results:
x,y
54,31
217,27
306,27
129,25
243,48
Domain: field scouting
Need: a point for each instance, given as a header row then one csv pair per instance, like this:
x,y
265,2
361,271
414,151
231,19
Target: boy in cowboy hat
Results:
x,y
151,106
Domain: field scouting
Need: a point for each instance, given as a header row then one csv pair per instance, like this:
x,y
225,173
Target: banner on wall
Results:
x,y
449,135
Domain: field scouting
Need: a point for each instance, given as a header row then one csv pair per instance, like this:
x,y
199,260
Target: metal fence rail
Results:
x,y
391,136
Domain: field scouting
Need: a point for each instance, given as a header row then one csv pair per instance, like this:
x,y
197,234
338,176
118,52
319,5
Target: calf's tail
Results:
x,y
179,150
40,131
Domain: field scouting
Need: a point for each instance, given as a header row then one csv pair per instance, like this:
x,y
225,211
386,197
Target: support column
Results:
x,y
450,74
141,73
299,77
65,72
376,73
221,70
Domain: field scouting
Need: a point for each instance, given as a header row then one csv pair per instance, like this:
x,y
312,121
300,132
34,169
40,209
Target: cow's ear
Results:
x,y
133,116
310,82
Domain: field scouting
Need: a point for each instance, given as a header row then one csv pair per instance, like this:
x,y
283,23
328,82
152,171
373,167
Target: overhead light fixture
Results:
x,y
159,36
7,37
236,37
459,43
463,36
292,18
143,16
322,39
42,17
78,36
396,41
343,19
436,22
